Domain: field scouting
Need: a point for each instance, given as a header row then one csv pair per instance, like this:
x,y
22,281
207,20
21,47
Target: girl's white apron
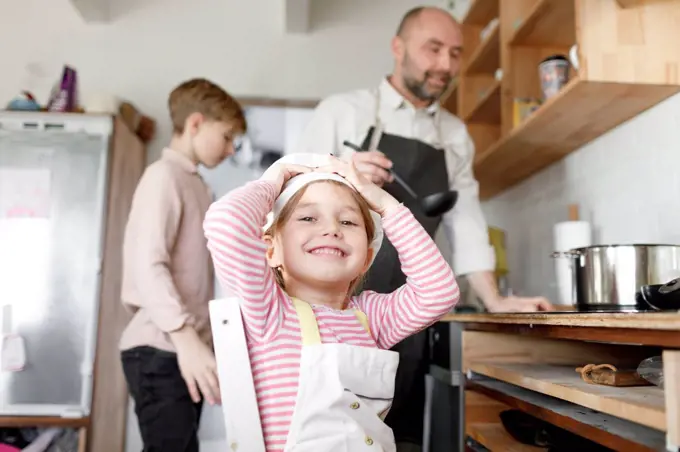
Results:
x,y
344,392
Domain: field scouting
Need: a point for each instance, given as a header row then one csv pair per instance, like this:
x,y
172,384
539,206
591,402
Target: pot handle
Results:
x,y
570,253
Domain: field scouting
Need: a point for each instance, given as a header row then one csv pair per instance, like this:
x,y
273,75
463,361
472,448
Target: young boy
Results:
x,y
168,279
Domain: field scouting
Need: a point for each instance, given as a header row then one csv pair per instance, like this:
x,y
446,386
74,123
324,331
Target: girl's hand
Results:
x,y
281,173
379,200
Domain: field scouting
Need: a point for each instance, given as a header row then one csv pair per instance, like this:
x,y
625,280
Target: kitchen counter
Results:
x,y
637,320
528,361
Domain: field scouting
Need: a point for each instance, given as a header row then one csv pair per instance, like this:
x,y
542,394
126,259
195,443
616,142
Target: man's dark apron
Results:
x,y
423,167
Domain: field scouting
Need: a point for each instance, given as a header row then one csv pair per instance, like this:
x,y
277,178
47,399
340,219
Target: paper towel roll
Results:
x,y
572,234
568,235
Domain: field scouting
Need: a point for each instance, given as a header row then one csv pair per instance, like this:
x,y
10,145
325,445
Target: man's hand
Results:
x,y
520,304
484,285
197,365
374,165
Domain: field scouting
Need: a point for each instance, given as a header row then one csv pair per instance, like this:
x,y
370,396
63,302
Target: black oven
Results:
x,y
444,404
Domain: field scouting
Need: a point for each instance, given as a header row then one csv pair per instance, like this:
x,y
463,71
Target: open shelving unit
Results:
x,y
595,426
482,423
528,363
641,405
629,60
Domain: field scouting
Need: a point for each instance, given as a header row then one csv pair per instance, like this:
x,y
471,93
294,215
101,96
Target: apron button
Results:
x,y
354,405
369,440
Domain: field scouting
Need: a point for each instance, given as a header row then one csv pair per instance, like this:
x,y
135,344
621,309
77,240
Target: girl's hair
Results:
x,y
288,209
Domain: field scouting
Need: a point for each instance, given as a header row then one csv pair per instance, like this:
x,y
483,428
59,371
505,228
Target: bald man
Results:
x,y
400,126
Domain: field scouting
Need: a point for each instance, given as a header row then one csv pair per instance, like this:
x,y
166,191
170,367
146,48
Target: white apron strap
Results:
x,y
378,126
309,328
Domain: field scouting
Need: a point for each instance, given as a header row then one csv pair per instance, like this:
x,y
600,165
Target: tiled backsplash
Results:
x,y
626,183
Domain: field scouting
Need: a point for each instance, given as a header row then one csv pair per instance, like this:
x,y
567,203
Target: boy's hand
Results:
x,y
379,200
197,365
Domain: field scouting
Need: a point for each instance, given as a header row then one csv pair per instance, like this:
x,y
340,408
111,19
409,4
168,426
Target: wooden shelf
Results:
x,y
548,23
606,328
450,99
620,76
488,110
628,3
481,12
603,429
636,3
483,424
641,405
43,421
581,112
495,438
635,323
486,58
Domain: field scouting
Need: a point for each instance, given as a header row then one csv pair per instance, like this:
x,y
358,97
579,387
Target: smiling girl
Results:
x,y
293,247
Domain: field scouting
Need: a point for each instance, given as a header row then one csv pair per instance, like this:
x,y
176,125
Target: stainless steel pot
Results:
x,y
609,276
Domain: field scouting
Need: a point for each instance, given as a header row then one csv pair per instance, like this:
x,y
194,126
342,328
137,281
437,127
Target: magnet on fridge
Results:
x,y
13,353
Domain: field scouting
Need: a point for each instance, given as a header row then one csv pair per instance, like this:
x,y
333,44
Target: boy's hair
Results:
x,y
288,209
205,97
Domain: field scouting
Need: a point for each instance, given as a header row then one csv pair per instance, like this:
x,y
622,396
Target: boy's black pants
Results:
x,y
168,418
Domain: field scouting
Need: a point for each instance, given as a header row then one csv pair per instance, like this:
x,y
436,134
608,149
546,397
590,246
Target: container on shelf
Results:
x,y
554,74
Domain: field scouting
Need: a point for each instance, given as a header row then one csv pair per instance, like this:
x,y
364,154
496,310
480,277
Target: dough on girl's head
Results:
x,y
296,183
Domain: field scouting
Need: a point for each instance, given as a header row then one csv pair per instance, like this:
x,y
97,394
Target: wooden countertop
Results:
x,y
634,320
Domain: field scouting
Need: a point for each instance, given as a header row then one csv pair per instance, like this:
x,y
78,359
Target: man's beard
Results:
x,y
418,87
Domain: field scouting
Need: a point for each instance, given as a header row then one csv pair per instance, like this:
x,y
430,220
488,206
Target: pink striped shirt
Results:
x,y
233,227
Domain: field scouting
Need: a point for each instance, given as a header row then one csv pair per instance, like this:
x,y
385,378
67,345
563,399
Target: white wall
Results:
x,y
154,44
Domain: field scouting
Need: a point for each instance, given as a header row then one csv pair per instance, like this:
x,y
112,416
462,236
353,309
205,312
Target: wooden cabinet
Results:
x,y
528,362
629,60
108,421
